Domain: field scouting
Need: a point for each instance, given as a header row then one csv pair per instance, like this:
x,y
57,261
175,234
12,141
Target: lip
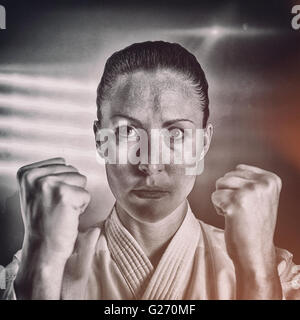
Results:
x,y
150,193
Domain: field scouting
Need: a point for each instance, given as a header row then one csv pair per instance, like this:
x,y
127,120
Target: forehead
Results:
x,y
153,97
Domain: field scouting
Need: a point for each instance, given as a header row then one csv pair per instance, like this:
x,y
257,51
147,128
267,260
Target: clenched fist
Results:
x,y
248,198
52,197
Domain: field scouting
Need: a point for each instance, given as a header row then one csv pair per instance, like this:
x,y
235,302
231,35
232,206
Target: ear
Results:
x,y
208,133
96,128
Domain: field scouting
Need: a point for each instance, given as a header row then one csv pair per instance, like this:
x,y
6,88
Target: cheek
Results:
x,y
118,176
187,152
182,182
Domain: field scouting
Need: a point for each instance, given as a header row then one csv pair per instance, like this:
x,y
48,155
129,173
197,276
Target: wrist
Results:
x,y
38,250
258,283
37,275
256,275
261,263
259,271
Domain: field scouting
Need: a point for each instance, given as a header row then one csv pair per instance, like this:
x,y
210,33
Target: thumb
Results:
x,y
221,200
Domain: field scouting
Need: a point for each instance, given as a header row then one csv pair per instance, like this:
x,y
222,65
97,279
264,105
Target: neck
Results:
x,y
153,237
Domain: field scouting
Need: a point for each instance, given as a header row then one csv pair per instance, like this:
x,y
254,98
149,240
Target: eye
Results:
x,y
127,132
176,134
173,136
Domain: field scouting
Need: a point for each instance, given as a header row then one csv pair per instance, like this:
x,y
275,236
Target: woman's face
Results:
x,y
144,101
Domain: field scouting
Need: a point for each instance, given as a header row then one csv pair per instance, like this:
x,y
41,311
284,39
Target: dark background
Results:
x,y
51,58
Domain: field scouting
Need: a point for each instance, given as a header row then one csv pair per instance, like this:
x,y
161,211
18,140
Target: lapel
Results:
x,y
127,253
145,282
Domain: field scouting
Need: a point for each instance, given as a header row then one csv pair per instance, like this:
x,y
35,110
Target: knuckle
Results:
x,y
240,197
228,174
218,182
265,181
62,193
44,183
83,177
214,194
277,180
251,186
29,176
26,177
20,173
271,180
72,167
228,209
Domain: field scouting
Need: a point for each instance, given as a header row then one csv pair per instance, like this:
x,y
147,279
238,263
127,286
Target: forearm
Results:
x,y
39,277
253,286
258,279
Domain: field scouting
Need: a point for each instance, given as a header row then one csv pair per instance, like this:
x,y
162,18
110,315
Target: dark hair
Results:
x,y
150,56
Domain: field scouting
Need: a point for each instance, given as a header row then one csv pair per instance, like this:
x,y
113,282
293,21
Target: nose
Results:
x,y
151,169
153,152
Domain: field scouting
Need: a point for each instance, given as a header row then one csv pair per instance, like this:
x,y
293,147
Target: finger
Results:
x,y
38,164
74,196
31,175
221,199
244,174
75,179
262,173
231,182
251,168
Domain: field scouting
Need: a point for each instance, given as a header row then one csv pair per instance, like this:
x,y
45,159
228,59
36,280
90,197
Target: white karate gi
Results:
x,y
108,263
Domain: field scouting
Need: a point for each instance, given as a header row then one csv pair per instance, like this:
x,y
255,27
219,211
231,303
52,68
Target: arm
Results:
x,y
248,199
259,279
52,197
39,276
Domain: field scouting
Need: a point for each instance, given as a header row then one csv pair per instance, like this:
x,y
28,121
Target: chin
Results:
x,y
151,209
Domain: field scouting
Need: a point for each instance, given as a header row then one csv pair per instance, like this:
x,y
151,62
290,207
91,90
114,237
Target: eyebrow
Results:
x,y
167,123
120,115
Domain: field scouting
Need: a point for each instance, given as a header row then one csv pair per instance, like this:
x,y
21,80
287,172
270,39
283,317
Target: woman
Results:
x,y
151,246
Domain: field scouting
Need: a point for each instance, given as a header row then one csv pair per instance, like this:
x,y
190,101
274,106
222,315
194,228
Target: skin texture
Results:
x,y
148,101
53,196
248,198
154,100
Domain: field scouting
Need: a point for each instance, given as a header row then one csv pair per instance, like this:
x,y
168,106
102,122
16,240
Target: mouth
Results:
x,y
150,193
